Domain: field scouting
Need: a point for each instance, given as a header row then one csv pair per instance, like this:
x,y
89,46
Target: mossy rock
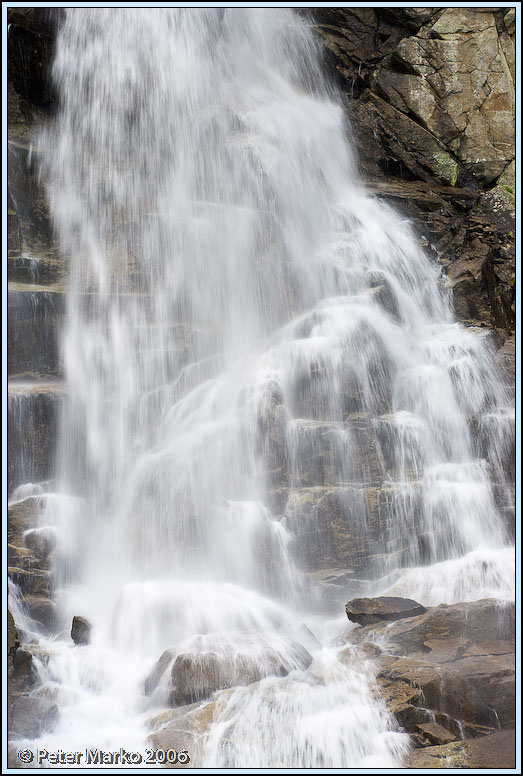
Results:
x,y
505,188
446,167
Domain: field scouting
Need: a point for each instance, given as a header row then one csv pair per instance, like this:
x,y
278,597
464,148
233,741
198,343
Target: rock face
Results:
x,y
440,81
367,611
447,674
434,131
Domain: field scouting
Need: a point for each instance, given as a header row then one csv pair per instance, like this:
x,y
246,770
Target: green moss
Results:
x,y
505,187
446,168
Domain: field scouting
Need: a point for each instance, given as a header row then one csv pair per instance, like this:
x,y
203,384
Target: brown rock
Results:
x,y
464,620
447,672
494,751
436,734
196,675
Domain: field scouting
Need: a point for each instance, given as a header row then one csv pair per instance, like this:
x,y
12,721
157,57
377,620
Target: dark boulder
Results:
x,y
367,611
81,631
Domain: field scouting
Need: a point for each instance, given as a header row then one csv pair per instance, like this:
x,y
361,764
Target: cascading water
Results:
x,y
252,344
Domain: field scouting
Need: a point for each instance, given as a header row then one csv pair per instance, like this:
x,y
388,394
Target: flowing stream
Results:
x,y
260,362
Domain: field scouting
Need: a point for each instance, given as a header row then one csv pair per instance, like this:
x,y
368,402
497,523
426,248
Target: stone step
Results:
x,y
35,315
33,413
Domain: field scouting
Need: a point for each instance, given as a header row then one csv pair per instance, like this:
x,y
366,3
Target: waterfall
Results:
x,y
265,384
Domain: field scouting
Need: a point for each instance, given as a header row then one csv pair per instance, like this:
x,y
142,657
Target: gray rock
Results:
x,y
81,631
367,611
31,717
196,675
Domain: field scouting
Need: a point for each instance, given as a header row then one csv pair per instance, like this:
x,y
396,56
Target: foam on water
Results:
x,y
244,325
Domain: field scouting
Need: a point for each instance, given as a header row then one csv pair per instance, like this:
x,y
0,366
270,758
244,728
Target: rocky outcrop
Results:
x,y
452,77
448,674
430,100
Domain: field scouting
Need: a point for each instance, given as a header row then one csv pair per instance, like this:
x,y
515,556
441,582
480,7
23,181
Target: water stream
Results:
x,y
254,348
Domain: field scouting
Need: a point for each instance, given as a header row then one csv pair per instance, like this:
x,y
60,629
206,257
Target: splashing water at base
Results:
x,y
251,344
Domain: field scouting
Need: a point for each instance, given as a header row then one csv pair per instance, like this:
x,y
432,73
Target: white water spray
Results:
x,y
244,326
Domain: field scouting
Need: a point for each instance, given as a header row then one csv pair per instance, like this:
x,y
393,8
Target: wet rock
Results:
x,y
493,751
12,645
35,314
437,688
383,293
325,537
162,664
22,516
30,42
367,611
41,21
33,410
23,669
463,620
33,241
183,729
30,556
29,60
31,717
33,582
491,674
505,356
196,675
435,733
349,530
442,669
81,631
399,146
42,610
41,542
